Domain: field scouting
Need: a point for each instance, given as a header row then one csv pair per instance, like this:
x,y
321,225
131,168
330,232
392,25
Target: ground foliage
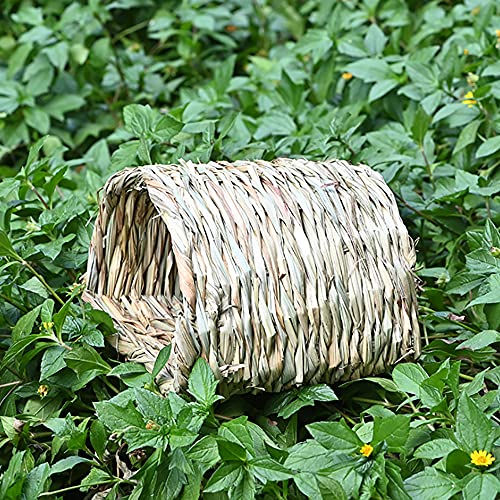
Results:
x,y
87,88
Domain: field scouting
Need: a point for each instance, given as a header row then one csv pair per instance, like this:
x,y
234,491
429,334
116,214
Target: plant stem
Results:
x,y
418,212
42,279
12,302
77,486
9,384
38,195
372,401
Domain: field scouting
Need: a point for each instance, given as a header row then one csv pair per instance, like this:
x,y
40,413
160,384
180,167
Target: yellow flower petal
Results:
x,y
366,450
481,458
43,390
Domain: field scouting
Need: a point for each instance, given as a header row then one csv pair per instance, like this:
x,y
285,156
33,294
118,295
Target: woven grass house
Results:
x,y
278,273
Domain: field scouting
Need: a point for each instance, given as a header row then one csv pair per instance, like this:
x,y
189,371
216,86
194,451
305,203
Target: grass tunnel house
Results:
x,y
278,273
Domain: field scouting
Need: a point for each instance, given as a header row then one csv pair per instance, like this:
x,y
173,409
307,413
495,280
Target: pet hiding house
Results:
x,y
278,273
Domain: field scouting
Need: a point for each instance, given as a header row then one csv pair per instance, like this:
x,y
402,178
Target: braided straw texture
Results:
x,y
277,273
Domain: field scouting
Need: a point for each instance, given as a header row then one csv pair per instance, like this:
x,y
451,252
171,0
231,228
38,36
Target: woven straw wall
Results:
x,y
278,273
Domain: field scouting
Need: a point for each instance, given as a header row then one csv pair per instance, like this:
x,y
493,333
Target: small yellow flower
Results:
x,y
466,52
43,390
150,425
76,288
497,33
482,458
469,99
32,226
346,76
475,11
472,79
366,450
47,325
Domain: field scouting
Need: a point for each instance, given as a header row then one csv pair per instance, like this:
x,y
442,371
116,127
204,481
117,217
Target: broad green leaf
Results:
x,y
153,407
395,488
488,147
437,448
79,53
473,431
34,285
420,125
13,476
237,431
202,383
305,396
161,360
52,361
370,70
58,54
330,488
267,469
467,136
132,374
223,74
463,283
224,477
394,430
126,155
19,346
492,69
36,481
309,456
61,104
408,377
493,296
138,119
335,436
86,362
381,88
127,368
307,483
423,75
315,41
96,477
167,127
385,383
481,486
67,464
28,15
231,452
116,418
431,484
205,452
24,325
275,123
98,437
480,340
245,488
6,248
375,39
38,119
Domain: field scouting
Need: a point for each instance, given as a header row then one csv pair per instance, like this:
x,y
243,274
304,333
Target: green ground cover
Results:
x,y
88,87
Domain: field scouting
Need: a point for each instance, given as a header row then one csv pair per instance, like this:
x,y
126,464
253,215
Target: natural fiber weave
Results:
x,y
277,273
